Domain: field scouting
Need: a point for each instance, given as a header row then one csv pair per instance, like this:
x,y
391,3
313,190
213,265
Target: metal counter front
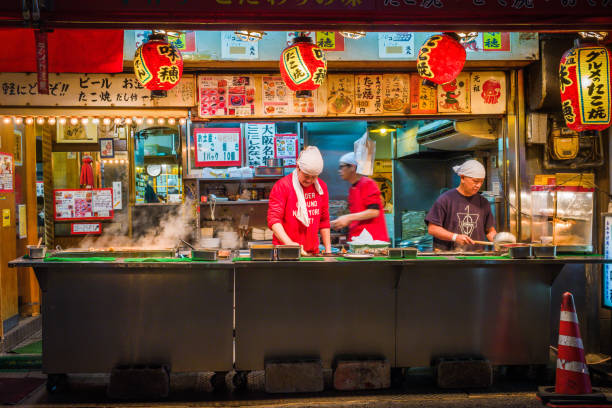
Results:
x,y
97,315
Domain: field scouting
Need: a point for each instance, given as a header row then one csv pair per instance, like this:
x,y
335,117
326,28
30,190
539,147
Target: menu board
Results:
x,y
221,95
423,99
368,94
340,94
217,147
278,99
286,146
454,97
86,204
260,143
396,93
6,172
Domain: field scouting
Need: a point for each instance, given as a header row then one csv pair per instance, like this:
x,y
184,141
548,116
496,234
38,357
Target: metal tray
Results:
x,y
204,254
396,253
262,253
519,251
118,253
544,251
288,252
410,253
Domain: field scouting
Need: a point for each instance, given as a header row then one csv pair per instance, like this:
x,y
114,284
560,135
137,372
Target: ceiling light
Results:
x,y
250,36
353,35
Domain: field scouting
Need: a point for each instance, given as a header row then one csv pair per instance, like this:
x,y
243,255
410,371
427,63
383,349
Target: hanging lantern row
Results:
x,y
158,65
303,66
62,120
584,80
440,59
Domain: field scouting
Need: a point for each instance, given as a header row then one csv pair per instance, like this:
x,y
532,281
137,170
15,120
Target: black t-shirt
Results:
x,y
459,214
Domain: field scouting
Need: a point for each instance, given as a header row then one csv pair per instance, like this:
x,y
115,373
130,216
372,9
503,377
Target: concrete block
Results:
x,y
139,382
464,373
297,376
362,375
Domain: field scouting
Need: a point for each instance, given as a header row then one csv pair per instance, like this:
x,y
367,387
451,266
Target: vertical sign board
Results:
x,y
260,143
7,169
217,147
606,282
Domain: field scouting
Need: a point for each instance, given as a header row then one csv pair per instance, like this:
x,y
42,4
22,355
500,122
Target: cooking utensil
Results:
x,y
544,251
187,243
37,251
204,254
39,241
483,242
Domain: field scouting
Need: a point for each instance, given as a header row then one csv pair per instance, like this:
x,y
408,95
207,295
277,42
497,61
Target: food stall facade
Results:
x,y
257,345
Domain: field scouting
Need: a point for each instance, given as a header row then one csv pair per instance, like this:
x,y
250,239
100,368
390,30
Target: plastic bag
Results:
x,y
365,152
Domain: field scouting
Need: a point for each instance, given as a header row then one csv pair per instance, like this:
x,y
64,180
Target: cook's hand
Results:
x,y
340,222
464,240
302,252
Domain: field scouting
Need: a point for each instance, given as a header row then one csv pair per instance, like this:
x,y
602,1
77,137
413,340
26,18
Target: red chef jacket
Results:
x,y
364,195
283,208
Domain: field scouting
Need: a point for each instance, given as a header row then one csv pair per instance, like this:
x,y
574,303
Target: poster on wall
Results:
x,y
286,147
259,143
423,99
221,95
83,204
185,42
454,96
77,133
7,169
22,221
396,93
326,40
368,94
278,99
340,94
18,147
94,228
488,92
232,47
217,147
396,45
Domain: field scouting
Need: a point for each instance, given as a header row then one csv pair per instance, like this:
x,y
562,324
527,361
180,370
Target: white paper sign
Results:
x,y
217,147
93,228
396,45
488,92
83,204
117,199
106,90
260,143
232,47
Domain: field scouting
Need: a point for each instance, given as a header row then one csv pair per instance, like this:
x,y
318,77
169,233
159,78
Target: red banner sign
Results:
x,y
42,64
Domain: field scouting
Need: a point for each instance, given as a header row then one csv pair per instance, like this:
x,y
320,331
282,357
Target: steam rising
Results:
x,y
176,223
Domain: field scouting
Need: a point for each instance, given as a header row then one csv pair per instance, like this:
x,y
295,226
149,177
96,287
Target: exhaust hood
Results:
x,y
471,134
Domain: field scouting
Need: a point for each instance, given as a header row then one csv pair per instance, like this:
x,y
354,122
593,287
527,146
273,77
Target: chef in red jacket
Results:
x,y
299,205
364,201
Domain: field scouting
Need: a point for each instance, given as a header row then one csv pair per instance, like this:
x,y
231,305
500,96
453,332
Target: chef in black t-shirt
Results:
x,y
461,215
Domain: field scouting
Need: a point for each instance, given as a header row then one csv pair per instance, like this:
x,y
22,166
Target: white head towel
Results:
x,y
471,168
349,158
311,161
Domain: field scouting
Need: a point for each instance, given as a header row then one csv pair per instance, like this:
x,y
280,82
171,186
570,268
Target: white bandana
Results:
x,y
471,168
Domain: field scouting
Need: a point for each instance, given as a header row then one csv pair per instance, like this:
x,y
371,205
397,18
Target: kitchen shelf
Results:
x,y
241,202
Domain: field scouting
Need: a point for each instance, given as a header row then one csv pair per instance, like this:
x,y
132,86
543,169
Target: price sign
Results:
x,y
286,147
82,229
217,147
260,143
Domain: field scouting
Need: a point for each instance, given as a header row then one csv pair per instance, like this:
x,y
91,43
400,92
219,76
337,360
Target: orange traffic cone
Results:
x,y
572,371
572,384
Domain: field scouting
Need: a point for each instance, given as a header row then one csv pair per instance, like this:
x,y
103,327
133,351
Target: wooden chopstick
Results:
x,y
483,242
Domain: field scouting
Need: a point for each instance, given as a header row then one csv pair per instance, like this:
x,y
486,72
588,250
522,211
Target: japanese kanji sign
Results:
x,y
423,98
217,147
396,93
105,90
260,143
340,94
368,94
396,45
222,95
90,204
488,92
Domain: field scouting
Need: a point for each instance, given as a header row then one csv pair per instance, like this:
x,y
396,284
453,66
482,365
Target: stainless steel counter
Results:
x,y
97,315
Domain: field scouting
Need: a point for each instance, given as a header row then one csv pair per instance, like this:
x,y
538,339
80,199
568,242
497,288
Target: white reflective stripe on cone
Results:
x,y
570,341
575,366
569,317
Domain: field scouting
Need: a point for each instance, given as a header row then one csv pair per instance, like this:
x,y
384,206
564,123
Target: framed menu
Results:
x,y
222,95
217,147
396,93
340,94
286,146
83,204
278,99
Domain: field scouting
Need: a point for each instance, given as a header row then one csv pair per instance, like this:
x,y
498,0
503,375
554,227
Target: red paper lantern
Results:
x,y
158,65
584,79
440,59
303,66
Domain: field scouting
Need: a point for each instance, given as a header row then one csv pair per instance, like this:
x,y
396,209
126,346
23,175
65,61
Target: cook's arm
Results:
x,y
491,234
281,234
326,238
445,235
345,220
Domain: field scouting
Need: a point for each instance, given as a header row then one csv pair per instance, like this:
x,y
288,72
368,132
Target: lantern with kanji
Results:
x,y
440,59
584,79
303,66
158,65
